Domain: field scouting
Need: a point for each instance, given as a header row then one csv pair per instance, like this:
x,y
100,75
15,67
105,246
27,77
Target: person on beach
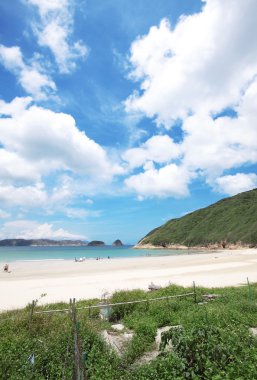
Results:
x,y
6,268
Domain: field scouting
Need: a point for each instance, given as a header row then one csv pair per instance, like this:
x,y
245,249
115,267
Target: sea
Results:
x,y
10,254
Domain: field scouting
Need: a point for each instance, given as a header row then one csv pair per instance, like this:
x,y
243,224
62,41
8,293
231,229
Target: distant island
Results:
x,y
96,243
117,243
55,243
41,243
229,223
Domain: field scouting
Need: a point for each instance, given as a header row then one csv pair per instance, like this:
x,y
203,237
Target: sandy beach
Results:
x,y
63,279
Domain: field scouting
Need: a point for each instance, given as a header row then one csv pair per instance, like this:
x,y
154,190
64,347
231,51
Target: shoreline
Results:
x,y
164,254
209,247
64,279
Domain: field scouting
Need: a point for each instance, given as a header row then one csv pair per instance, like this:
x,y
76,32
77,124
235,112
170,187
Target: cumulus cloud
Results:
x,y
15,167
160,149
38,197
36,143
27,229
168,181
15,107
234,184
31,77
213,146
50,141
27,196
196,72
203,64
54,30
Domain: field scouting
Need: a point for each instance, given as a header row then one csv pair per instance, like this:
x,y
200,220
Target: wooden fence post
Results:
x,y
84,356
249,289
79,368
31,313
194,292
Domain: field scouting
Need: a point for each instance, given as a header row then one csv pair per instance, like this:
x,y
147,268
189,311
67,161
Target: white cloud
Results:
x,y
160,149
4,214
36,143
46,6
203,64
213,146
194,72
37,196
234,184
27,229
169,181
15,107
27,196
79,213
50,141
55,32
14,167
32,78
209,146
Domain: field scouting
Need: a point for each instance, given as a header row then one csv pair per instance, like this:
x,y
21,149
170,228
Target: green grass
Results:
x,y
214,342
228,221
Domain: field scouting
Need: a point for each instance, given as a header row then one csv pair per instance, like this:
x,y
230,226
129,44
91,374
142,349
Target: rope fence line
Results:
x,y
100,306
33,304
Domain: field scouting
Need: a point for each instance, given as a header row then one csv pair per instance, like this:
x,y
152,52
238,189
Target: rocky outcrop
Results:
x,y
216,246
117,243
96,243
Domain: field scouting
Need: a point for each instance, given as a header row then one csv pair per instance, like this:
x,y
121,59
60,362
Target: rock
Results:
x,y
118,327
117,243
147,358
158,337
210,297
96,243
152,287
117,341
151,355
253,331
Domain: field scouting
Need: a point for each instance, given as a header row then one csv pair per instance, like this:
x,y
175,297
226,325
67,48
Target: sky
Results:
x,y
118,115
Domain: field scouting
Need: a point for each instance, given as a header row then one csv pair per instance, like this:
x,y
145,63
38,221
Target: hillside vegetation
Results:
x,y
214,341
230,221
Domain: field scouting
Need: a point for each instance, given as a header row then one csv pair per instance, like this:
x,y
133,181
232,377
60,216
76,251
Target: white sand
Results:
x,y
62,280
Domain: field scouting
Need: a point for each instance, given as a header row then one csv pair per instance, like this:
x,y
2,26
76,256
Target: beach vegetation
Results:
x,y
212,339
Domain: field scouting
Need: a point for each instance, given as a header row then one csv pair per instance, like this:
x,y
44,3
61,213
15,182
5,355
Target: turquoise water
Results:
x,y
8,254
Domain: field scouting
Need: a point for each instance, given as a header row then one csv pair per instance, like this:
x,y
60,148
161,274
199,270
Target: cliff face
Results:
x,y
117,243
229,223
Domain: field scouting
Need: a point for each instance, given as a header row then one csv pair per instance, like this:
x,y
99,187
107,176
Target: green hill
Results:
x,y
230,221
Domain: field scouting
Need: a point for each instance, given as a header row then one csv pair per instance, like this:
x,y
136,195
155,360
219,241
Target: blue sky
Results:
x,y
116,116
